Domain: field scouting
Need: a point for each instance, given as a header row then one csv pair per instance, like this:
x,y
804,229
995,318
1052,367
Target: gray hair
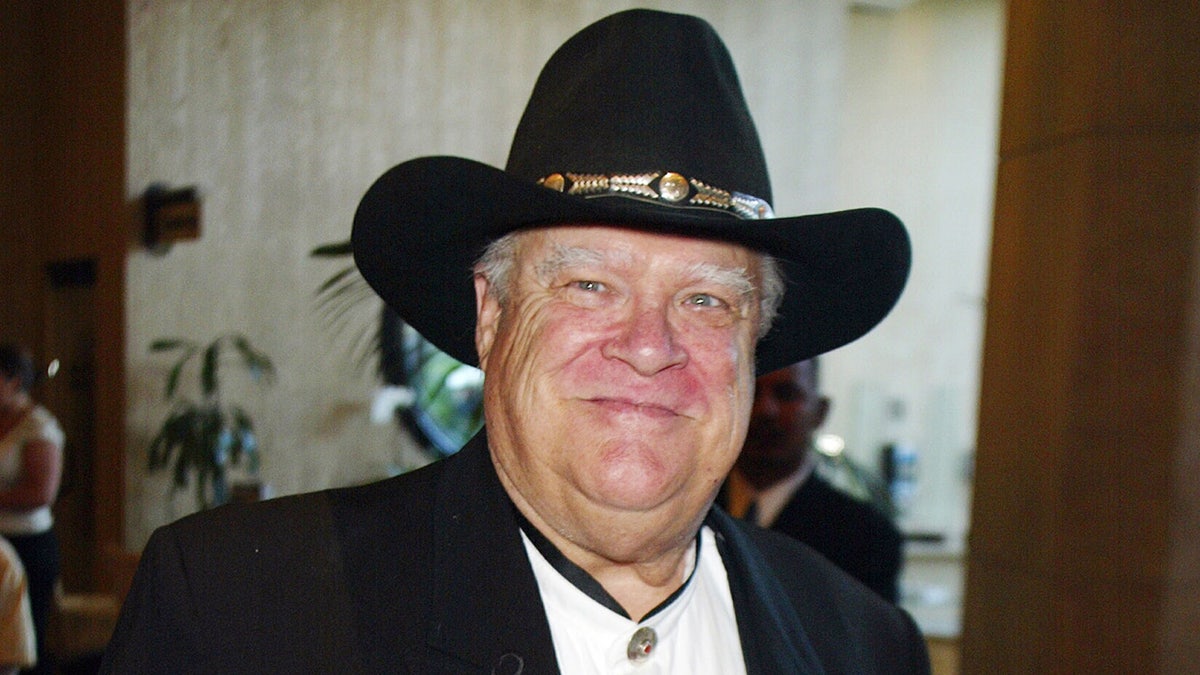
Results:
x,y
496,265
498,259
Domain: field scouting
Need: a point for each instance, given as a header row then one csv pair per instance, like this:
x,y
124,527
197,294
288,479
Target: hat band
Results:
x,y
668,188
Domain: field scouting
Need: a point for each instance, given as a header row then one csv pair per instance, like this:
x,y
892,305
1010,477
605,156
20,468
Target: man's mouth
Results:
x,y
632,406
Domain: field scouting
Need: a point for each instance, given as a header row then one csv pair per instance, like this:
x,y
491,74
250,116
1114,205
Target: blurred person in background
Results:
x,y
775,483
31,458
18,648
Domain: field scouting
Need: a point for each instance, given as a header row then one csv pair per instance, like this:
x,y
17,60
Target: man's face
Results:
x,y
787,410
618,380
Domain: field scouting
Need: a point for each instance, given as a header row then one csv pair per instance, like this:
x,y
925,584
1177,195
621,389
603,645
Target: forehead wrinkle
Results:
x,y
563,257
735,278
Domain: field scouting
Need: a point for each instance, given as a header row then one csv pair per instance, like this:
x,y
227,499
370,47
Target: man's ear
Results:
x,y
487,316
822,411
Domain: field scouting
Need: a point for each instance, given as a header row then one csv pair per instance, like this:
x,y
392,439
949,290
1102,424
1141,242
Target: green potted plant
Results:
x,y
445,408
206,436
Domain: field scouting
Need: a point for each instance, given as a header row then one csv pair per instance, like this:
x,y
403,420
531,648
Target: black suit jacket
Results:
x,y
852,534
426,573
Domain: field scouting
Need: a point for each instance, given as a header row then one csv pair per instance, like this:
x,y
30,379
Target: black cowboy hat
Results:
x,y
637,121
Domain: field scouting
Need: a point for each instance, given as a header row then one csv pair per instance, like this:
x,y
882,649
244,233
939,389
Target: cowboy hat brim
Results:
x,y
422,225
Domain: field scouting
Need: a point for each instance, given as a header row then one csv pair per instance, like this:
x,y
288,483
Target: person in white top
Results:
x,y
31,447
18,647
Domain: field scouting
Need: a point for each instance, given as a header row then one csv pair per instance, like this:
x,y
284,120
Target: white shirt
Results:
x,y
17,642
37,425
696,634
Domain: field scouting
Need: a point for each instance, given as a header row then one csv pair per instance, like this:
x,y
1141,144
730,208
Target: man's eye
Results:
x,y
705,300
590,286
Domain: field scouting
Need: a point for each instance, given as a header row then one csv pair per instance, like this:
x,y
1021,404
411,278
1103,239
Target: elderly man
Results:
x,y
620,283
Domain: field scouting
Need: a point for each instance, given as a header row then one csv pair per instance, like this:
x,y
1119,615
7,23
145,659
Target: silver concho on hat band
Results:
x,y
667,188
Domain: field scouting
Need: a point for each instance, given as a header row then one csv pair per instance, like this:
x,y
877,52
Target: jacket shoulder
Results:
x,y
257,587
850,627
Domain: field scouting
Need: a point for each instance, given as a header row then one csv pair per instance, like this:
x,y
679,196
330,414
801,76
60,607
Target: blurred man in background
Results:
x,y
775,483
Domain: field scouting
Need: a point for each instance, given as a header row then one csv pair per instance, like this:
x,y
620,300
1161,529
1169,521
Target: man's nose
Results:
x,y
647,342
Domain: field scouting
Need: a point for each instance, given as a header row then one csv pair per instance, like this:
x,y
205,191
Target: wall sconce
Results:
x,y
171,215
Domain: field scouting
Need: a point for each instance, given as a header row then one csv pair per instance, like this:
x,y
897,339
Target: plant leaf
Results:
x,y
258,363
337,249
208,373
338,280
175,372
167,344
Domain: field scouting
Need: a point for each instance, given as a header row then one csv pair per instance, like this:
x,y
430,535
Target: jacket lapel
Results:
x,y
486,613
773,638
487,610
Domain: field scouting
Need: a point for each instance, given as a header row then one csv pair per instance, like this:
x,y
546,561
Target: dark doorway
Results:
x,y
71,395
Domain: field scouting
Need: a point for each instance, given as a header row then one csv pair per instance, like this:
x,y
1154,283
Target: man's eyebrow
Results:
x,y
563,257
735,278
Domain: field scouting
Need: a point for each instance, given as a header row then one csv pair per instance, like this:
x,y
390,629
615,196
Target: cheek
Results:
x,y
729,359
731,347
741,393
568,343
542,343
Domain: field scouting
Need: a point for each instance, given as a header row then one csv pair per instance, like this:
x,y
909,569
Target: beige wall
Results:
x,y
283,113
917,128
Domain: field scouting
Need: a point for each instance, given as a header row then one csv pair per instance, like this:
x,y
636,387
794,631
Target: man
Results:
x,y
774,483
612,283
